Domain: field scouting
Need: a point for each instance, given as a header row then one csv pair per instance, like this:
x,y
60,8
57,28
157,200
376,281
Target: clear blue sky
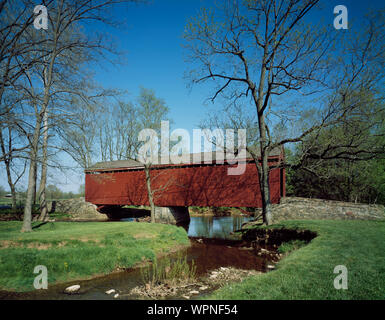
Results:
x,y
154,59
152,42
154,54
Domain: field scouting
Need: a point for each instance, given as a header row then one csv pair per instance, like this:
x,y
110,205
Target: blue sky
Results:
x,y
153,58
153,49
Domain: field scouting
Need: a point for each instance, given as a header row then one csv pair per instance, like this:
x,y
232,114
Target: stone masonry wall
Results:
x,y
78,208
294,208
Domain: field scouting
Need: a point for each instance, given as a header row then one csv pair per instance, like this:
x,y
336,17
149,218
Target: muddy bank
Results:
x,y
192,289
218,262
275,236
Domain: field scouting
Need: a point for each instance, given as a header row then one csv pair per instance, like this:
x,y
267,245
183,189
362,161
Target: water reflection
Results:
x,y
215,227
210,226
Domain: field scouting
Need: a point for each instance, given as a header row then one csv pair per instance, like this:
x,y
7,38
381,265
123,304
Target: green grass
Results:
x,y
59,215
307,273
169,270
79,250
289,246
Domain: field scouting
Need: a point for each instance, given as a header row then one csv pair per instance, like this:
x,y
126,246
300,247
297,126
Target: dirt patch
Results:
x,y
5,244
144,235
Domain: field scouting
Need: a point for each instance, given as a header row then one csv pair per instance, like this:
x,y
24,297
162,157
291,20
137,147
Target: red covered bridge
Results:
x,y
119,183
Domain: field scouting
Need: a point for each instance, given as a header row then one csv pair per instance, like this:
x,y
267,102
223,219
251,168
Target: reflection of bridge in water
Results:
x,y
215,227
111,185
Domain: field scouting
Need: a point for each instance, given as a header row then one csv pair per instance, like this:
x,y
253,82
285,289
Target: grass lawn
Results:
x,y
307,273
79,250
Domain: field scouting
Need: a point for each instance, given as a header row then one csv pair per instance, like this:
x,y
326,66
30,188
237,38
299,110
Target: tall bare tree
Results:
x,y
151,112
265,54
63,41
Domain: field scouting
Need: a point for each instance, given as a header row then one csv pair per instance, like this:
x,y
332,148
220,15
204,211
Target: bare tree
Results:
x,y
151,111
262,53
16,18
62,41
110,132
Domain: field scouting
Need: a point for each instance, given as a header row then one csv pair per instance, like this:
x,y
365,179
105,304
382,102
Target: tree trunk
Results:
x,y
265,190
7,162
149,191
11,186
264,186
263,168
43,180
34,189
27,227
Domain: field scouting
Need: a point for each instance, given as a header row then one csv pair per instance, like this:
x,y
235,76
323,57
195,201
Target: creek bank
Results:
x,y
305,274
81,250
218,263
274,236
192,289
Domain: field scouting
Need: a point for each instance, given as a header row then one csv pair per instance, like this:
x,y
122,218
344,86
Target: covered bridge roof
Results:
x,y
131,163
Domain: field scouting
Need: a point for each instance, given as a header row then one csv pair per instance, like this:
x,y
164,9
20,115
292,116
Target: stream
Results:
x,y
211,249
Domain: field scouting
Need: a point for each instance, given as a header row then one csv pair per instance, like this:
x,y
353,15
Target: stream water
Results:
x,y
210,249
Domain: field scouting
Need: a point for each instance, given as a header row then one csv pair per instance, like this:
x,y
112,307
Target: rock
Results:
x,y
194,292
116,295
110,291
269,266
72,289
78,208
186,297
223,269
203,288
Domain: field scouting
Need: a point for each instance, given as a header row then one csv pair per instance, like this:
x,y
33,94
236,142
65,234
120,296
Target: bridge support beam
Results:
x,y
172,215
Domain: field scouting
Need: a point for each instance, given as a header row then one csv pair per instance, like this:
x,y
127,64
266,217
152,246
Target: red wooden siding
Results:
x,y
207,185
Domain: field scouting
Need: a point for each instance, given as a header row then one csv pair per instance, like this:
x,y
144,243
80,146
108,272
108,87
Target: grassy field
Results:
x,y
307,273
73,250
